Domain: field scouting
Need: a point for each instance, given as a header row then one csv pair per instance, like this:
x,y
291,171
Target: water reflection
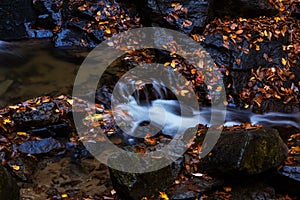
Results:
x,y
33,68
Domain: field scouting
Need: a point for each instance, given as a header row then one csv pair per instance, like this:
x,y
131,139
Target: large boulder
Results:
x,y
177,15
9,189
131,186
14,15
245,152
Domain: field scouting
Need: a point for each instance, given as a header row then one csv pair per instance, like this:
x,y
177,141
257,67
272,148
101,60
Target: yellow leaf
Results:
x,y
94,117
16,167
64,196
277,96
175,4
163,196
277,19
108,31
219,89
167,63
6,121
14,107
297,148
184,92
70,101
227,189
239,32
22,133
225,37
257,47
283,61
173,64
266,33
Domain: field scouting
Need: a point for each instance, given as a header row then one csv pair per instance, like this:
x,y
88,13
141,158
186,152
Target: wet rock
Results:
x,y
194,11
48,14
245,152
40,147
256,190
13,16
292,172
240,72
244,189
192,188
241,8
32,33
71,37
9,189
23,168
287,177
131,186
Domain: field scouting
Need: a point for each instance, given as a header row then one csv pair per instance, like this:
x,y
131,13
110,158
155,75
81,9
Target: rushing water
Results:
x,y
33,68
138,117
165,115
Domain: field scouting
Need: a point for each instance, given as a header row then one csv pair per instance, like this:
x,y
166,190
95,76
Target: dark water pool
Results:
x,y
34,67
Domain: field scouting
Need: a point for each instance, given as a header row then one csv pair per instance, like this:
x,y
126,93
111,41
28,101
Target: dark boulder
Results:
x,y
240,72
241,8
9,189
245,152
194,186
132,186
176,15
287,177
14,15
41,147
48,13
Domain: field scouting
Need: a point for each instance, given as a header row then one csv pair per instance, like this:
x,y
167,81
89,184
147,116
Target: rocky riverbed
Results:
x,y
255,46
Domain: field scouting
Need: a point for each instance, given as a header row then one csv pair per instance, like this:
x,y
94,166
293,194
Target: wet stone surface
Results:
x,y
245,152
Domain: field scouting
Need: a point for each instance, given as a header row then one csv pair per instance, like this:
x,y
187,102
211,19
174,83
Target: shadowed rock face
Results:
x,y
136,186
8,186
14,14
245,152
243,8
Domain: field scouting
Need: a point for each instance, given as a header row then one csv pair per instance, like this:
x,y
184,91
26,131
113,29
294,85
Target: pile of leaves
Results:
x,y
106,16
278,82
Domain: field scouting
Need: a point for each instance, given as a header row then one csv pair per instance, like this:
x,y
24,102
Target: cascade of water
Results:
x,y
149,111
165,115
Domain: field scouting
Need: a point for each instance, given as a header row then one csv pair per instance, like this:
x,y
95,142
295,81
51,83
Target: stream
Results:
x,y
34,68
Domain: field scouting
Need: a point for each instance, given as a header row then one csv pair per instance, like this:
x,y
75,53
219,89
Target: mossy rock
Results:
x,y
245,152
